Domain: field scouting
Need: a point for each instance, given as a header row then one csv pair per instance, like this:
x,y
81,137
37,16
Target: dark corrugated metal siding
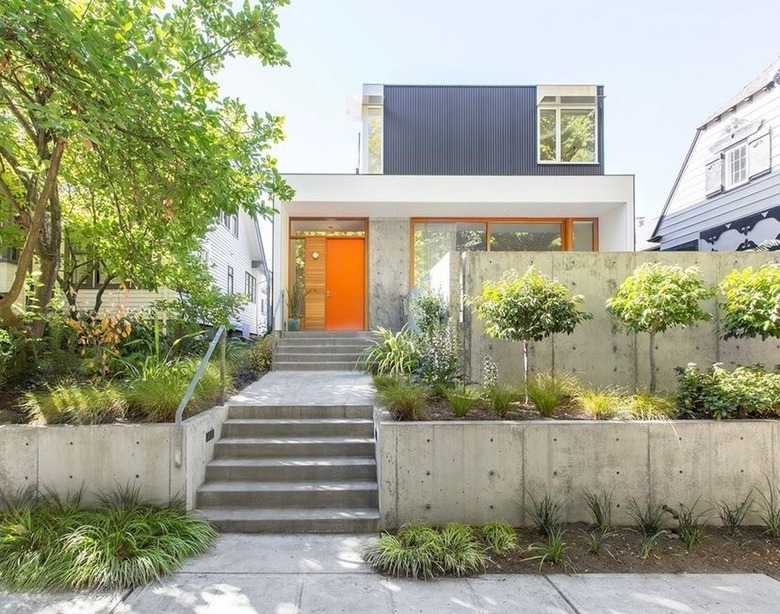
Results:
x,y
469,130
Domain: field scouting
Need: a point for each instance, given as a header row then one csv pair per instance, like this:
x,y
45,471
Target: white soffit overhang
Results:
x,y
564,90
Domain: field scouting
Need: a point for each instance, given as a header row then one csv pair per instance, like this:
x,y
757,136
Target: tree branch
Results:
x,y
28,128
252,25
6,191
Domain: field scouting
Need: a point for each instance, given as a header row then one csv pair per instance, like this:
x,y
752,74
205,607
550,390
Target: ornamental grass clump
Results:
x,y
599,403
404,400
48,544
77,403
547,391
500,398
461,399
500,537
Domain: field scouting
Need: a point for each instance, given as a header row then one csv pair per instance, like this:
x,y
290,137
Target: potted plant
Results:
x,y
295,299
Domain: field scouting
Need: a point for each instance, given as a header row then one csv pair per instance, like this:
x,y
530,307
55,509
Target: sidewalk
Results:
x,y
292,574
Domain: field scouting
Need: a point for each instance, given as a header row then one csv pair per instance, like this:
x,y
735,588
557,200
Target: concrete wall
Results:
x,y
595,352
478,472
103,457
388,271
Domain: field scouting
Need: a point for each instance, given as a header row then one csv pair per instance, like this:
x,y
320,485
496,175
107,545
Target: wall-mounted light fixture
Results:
x,y
315,255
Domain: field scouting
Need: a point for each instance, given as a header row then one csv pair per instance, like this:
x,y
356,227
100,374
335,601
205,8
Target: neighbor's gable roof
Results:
x,y
771,74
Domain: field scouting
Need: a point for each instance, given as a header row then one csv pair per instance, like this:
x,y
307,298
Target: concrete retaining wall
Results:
x,y
595,352
103,457
477,472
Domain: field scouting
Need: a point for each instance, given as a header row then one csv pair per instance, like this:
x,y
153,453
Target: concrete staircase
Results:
x,y
293,469
320,351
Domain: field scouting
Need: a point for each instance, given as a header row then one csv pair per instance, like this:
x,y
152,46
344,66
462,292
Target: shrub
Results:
x,y
500,537
656,297
751,302
500,398
437,358
429,310
600,404
528,308
391,353
462,399
404,400
461,552
546,391
261,354
47,544
76,403
718,394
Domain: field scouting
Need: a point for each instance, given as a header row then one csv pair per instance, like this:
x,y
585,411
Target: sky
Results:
x,y
665,67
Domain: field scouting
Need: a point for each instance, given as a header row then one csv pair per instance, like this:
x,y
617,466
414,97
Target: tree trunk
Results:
x,y
525,369
652,362
8,317
49,253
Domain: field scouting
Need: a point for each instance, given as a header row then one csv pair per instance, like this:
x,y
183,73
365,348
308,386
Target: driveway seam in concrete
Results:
x,y
560,592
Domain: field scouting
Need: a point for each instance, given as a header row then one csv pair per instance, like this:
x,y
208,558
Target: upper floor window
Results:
x,y
230,280
374,139
250,287
567,124
230,221
736,166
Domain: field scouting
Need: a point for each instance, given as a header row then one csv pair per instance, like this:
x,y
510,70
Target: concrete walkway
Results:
x,y
307,574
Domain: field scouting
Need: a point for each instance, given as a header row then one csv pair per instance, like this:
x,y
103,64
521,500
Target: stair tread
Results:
x,y
273,513
311,421
292,461
288,440
322,486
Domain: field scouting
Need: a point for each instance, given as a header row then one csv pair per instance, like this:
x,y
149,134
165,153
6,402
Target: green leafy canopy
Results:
x,y
750,302
657,297
528,307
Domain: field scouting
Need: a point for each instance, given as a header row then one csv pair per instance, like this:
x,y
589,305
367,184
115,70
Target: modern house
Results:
x,y
727,194
235,255
448,169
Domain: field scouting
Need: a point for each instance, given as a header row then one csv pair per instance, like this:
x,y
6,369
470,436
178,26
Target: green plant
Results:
x,y
598,541
391,353
600,404
528,308
429,310
645,405
295,300
546,513
552,551
649,542
500,398
462,399
50,544
717,393
648,518
690,524
751,302
500,537
72,403
656,297
461,553
600,507
732,516
546,391
437,358
383,382
404,400
261,354
769,509
489,371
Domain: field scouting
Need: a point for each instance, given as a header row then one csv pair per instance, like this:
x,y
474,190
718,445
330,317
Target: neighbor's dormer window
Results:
x,y
736,166
567,124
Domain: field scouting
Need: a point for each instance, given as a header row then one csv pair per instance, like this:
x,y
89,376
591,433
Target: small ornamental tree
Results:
x,y
657,297
528,308
751,302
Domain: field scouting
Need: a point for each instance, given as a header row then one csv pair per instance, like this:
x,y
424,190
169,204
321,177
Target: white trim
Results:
x,y
727,166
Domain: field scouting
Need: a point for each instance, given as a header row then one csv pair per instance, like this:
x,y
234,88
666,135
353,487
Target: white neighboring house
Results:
x,y
727,194
235,255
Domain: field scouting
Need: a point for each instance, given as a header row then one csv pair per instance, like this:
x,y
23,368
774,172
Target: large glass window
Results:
x,y
567,129
374,139
523,237
583,236
434,240
736,166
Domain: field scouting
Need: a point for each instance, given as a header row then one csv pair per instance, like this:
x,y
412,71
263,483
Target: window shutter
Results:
x,y
714,177
759,155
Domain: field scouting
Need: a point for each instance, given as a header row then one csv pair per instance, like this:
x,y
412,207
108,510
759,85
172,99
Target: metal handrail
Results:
x,y
178,442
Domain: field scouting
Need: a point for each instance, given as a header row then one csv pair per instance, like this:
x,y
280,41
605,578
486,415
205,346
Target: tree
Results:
x,y
656,297
751,302
528,308
113,135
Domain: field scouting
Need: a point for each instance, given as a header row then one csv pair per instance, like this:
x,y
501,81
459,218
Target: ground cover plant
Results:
x,y
47,543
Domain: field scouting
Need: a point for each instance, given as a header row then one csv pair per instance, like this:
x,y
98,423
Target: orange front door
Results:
x,y
345,283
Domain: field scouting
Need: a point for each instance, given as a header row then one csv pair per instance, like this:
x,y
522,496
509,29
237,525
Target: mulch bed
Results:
x,y
439,410
751,551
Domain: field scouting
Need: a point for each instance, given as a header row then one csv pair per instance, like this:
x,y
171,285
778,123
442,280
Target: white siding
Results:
x,y
691,188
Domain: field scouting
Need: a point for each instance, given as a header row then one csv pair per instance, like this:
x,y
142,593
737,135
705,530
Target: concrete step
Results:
x,y
355,493
287,365
325,520
285,447
297,427
345,342
329,350
329,334
290,412
318,356
291,469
